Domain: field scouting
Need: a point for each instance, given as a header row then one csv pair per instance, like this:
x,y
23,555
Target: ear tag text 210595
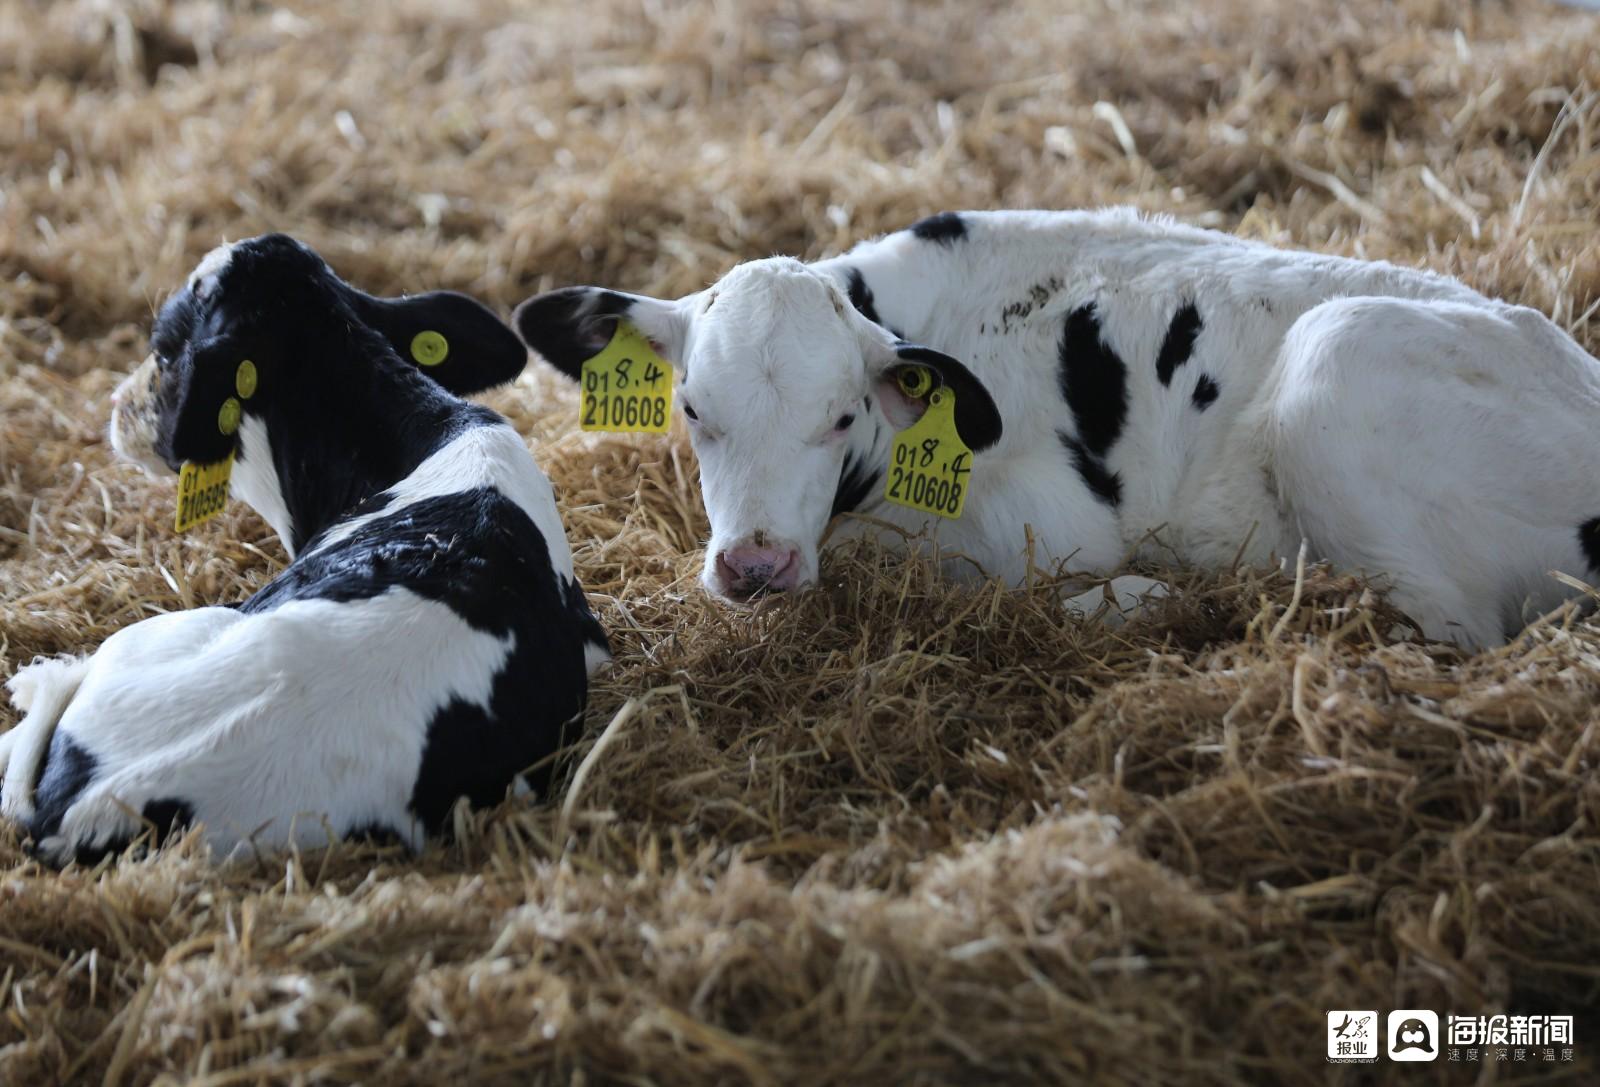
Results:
x,y
627,387
203,488
931,463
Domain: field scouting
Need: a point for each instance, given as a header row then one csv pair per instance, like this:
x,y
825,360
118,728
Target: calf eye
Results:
x,y
844,422
687,410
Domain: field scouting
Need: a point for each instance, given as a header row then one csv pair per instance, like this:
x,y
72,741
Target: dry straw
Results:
x,y
892,830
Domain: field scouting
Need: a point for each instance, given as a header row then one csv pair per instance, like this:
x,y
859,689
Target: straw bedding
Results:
x,y
892,830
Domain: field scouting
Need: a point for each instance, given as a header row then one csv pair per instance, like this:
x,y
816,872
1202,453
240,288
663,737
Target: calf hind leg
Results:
x,y
1448,446
42,690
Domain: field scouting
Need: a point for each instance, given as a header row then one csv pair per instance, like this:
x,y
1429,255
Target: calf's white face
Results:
x,y
776,383
792,399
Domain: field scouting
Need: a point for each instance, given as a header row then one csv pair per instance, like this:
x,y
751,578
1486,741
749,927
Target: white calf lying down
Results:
x,y
1121,374
428,642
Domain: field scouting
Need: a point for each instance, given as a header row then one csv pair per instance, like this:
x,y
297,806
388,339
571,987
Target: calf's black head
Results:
x,y
315,387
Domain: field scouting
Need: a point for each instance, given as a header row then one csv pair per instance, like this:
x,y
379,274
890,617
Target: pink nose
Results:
x,y
742,571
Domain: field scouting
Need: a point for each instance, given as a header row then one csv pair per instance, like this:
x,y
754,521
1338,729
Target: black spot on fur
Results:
x,y
946,228
1178,344
857,481
861,297
1205,392
479,554
169,815
1589,540
67,771
1094,382
1105,484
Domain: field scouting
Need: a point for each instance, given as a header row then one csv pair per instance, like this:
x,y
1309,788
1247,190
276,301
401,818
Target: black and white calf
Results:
x,y
429,640
1119,374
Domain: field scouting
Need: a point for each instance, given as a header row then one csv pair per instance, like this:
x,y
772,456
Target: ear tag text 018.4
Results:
x,y
931,463
627,387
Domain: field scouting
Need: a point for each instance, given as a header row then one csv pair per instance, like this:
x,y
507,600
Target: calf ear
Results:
x,y
568,326
455,340
213,386
977,418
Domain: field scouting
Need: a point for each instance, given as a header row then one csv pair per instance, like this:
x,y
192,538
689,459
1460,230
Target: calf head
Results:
x,y
792,399
311,384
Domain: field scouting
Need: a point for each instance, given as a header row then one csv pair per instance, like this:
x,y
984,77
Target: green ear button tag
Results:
x,y
202,491
627,387
429,348
244,380
229,415
931,462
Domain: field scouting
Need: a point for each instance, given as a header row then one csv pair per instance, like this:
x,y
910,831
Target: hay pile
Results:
x,y
890,830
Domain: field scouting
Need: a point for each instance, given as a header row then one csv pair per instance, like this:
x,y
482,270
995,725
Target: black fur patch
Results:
x,y
861,297
1105,484
1094,383
857,480
1205,392
946,228
1589,540
169,815
67,771
479,554
1178,344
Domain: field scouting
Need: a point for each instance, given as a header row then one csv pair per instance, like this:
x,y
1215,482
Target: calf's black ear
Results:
x,y
573,324
455,340
213,385
977,418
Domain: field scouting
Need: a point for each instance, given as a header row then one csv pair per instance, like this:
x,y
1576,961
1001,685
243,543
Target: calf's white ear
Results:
x,y
568,326
906,375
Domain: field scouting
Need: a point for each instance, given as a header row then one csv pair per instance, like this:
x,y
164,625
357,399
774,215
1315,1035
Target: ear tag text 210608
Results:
x,y
203,488
627,387
929,469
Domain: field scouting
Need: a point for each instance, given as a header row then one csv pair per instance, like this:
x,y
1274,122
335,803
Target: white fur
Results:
x,y
484,456
1402,423
317,708
255,480
203,280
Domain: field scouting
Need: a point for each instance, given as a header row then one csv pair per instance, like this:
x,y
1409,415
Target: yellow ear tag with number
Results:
x,y
627,388
202,492
931,463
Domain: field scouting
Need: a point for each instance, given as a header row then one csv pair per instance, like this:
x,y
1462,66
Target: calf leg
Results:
x,y
1117,600
1447,445
42,690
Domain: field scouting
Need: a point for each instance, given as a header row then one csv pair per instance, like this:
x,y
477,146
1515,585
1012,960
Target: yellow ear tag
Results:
x,y
228,416
429,348
627,387
202,492
915,381
931,463
244,380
